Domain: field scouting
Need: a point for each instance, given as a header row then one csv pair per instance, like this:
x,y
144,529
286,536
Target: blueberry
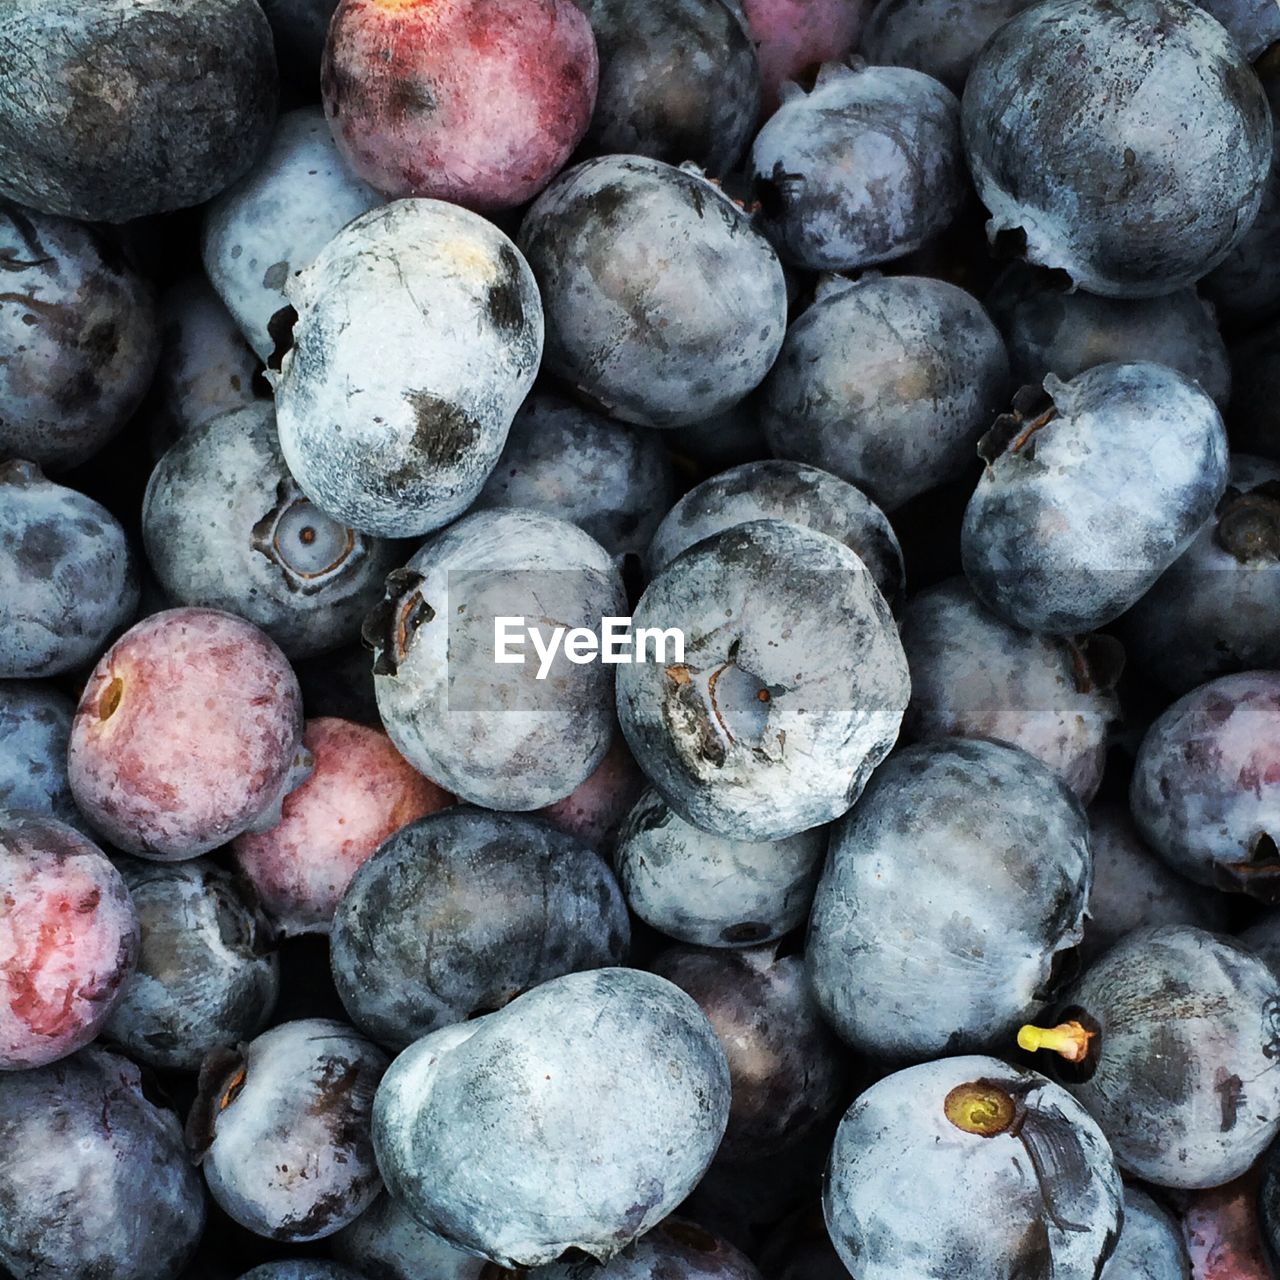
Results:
x,y
117,110
302,1269
281,1128
1169,1042
791,689
462,911
664,307
1085,501
611,480
80,335
35,725
1067,116
949,890
675,1247
1206,786
787,1070
1049,330
1263,939
68,578
226,526
726,440
1150,1245
887,383
94,1183
862,169
794,36
969,1168
276,219
207,972
712,890
1213,611
1255,24
392,412
495,735
596,808
775,489
388,1244
975,676
679,80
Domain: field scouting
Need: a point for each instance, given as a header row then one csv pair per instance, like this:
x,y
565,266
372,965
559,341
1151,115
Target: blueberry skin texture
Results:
x,y
675,1247
1050,331
35,726
225,526
495,736
1058,115
710,890
391,412
1213,611
776,489
775,609
679,80
480,1128
1206,791
386,1243
887,383
81,339
281,1128
121,110
664,306
94,1183
788,1070
613,481
963,870
862,169
1150,1245
975,676
1255,24
207,971
1183,1079
68,577
460,912
302,1269
277,218
1076,515
1042,1198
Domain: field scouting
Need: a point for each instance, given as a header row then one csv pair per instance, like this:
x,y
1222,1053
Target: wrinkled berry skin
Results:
x,y
975,676
887,383
226,527
477,104
787,1070
963,869
793,36
361,791
81,340
1213,611
1150,1245
93,1178
207,972
1206,784
710,890
1040,1197
596,808
775,489
1050,331
675,1247
118,109
791,690
462,911
937,37
386,1243
391,412
480,1128
68,577
68,939
281,1129
185,735
494,734
679,340
275,220
1181,1075
613,481
862,169
1059,115
35,725
1082,507
679,81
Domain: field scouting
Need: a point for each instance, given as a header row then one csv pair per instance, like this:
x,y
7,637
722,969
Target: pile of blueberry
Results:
x,y
909,372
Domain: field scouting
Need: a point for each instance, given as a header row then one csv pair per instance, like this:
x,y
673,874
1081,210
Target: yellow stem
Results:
x,y
1069,1039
